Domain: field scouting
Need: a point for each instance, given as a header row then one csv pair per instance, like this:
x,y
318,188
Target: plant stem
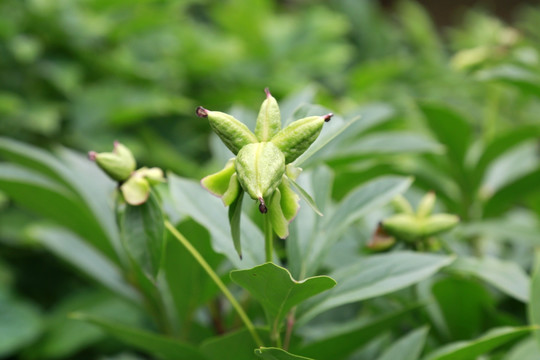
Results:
x,y
288,332
217,280
268,238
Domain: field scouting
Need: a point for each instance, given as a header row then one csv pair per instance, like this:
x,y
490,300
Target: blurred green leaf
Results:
x,y
65,337
471,349
527,81
504,275
191,199
534,302
238,345
161,346
20,323
52,200
335,341
450,128
73,250
409,347
374,276
527,349
465,316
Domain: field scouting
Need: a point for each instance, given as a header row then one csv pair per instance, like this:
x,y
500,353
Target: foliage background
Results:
x,y
81,74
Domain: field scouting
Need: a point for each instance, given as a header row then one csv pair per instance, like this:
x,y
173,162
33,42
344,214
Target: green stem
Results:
x,y
268,238
217,280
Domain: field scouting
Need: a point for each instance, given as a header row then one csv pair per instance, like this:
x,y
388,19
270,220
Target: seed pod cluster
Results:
x,y
262,167
418,227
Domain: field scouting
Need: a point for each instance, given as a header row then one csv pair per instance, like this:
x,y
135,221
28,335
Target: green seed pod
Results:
x,y
260,168
402,205
289,200
426,205
439,223
296,138
403,226
234,134
269,119
118,164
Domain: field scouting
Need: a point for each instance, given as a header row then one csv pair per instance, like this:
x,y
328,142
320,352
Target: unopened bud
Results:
x,y
118,164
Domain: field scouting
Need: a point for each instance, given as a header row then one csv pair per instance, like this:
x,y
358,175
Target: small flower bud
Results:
x,y
118,164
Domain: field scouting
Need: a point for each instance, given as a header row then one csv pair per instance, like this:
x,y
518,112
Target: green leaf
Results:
x,y
501,144
450,128
471,349
525,80
178,262
143,234
395,142
276,290
534,303
527,349
85,179
504,275
65,337
73,250
306,225
358,203
238,345
191,199
148,342
364,199
331,130
235,215
20,324
408,347
338,341
268,353
375,276
54,201
464,316
306,197
508,195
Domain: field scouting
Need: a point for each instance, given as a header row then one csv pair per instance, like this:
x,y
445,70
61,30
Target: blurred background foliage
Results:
x,y
82,73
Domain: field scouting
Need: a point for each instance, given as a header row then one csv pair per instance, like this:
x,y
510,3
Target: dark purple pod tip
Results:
x,y
202,112
262,206
267,91
327,117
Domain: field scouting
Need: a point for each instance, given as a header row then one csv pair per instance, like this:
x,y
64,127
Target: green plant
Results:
x,y
84,274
